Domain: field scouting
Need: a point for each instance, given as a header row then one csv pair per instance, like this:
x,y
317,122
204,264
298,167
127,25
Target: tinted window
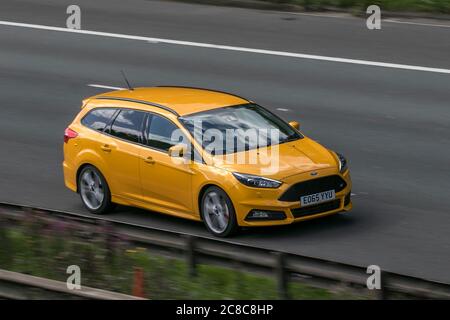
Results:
x,y
160,133
97,119
128,125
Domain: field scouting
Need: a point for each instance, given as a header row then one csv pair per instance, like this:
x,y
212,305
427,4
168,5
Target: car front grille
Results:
x,y
304,188
315,209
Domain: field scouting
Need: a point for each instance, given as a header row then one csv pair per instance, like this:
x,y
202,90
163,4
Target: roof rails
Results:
x,y
140,101
212,90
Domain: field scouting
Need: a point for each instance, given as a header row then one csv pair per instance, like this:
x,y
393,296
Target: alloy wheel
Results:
x,y
91,189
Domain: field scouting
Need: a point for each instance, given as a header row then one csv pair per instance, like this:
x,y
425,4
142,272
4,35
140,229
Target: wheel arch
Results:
x,y
81,167
200,196
202,192
232,224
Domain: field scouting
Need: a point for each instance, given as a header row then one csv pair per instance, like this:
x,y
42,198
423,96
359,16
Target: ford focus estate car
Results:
x,y
202,155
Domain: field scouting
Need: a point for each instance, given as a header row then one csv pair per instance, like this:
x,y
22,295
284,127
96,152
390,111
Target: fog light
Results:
x,y
265,215
260,214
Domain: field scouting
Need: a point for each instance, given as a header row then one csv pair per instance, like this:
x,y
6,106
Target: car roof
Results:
x,y
178,100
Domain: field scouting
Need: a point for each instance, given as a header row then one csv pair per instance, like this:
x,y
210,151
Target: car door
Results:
x,y
165,183
121,148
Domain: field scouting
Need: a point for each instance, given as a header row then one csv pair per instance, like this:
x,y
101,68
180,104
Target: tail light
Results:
x,y
69,134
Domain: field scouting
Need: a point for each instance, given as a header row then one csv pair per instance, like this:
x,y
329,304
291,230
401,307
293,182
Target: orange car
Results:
x,y
201,155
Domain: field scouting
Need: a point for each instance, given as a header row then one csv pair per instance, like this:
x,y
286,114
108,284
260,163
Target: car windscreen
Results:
x,y
238,128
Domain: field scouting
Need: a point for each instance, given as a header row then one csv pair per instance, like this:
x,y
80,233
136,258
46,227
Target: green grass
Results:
x,y
107,261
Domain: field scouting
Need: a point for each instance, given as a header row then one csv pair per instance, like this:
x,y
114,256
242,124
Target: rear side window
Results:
x,y
98,119
128,125
159,133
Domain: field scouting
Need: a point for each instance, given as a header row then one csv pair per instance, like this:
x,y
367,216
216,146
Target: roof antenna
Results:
x,y
126,80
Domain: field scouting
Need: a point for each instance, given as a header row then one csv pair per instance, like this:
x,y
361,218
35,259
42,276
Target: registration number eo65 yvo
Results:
x,y
317,198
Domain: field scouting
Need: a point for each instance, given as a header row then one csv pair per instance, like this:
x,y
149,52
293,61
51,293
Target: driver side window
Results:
x,y
161,133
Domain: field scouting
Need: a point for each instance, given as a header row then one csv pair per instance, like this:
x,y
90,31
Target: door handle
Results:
x,y
106,148
149,160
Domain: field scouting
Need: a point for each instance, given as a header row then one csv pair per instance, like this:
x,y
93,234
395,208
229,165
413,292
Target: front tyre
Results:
x,y
94,190
218,212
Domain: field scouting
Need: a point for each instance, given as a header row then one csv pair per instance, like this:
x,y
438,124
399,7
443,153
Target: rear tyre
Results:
x,y
94,191
218,212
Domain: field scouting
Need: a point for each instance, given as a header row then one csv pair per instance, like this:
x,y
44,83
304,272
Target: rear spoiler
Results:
x,y
85,102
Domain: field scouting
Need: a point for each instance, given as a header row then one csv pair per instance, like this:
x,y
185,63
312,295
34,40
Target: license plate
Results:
x,y
317,198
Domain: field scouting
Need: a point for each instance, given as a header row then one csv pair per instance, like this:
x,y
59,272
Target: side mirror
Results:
x,y
295,125
177,151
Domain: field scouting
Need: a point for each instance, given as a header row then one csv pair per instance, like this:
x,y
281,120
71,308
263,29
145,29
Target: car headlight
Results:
x,y
256,181
342,163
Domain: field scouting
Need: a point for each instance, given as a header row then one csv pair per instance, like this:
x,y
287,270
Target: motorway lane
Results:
x,y
392,124
340,37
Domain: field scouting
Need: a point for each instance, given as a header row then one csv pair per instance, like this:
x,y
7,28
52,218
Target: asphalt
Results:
x,y
392,124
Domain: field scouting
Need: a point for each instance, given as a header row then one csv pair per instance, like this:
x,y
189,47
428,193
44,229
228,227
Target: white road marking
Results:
x,y
359,193
423,24
229,48
104,87
320,15
282,109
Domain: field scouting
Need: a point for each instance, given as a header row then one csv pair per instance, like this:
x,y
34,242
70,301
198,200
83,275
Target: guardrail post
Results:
x,y
138,283
190,256
282,275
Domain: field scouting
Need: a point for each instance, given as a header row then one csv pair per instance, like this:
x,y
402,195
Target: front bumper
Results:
x,y
268,199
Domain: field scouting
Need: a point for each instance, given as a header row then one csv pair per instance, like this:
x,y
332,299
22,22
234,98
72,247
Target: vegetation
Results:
x,y
439,6
45,248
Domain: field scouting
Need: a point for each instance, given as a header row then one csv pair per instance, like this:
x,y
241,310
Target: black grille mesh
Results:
x,y
315,209
304,188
